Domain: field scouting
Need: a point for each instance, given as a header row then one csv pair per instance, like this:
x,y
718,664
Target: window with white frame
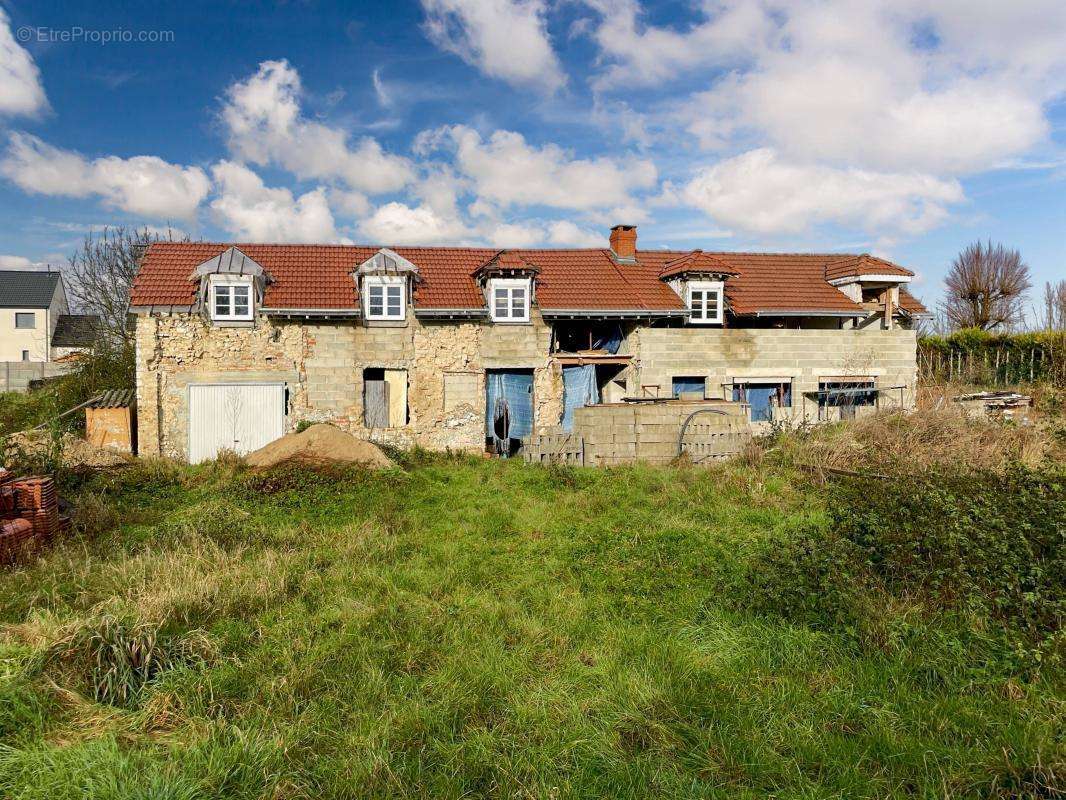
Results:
x,y
509,299
705,302
231,300
385,297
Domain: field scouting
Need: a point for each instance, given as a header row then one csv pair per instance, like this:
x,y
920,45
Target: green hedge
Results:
x,y
981,357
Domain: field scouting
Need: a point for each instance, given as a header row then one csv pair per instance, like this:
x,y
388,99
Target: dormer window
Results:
x,y
386,297
385,282
231,286
231,299
509,299
705,302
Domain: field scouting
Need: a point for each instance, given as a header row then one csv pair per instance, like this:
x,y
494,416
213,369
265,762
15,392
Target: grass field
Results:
x,y
466,628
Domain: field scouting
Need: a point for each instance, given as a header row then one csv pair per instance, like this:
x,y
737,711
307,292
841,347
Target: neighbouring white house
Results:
x,y
35,320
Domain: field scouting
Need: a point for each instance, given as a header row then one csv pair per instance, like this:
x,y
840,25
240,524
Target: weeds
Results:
x,y
119,657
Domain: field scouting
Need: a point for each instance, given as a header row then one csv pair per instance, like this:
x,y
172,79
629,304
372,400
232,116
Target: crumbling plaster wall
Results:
x,y
322,364
804,356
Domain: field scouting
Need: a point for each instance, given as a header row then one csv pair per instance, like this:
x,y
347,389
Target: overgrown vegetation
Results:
x,y
460,627
984,544
997,360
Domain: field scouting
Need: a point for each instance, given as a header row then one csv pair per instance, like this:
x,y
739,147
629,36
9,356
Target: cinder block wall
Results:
x,y
626,432
804,356
322,363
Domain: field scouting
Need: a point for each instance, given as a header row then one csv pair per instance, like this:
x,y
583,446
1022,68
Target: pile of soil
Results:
x,y
320,442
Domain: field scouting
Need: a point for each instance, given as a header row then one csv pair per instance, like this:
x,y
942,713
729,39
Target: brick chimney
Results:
x,y
624,242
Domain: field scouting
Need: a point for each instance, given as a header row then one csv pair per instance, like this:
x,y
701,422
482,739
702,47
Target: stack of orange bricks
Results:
x,y
29,515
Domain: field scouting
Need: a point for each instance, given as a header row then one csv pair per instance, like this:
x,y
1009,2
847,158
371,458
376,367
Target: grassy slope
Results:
x,y
480,628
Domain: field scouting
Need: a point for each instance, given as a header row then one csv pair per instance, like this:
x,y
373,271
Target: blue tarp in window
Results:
x,y
761,396
579,390
609,341
687,385
508,407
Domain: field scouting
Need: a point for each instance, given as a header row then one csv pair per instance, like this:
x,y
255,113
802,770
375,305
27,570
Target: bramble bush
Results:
x,y
986,543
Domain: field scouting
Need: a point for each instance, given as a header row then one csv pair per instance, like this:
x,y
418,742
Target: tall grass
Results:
x,y
462,628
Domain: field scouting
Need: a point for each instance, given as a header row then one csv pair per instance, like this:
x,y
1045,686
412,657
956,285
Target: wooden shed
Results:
x,y
110,420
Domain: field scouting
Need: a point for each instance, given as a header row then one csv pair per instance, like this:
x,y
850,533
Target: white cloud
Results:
x,y
20,262
507,171
948,88
398,223
266,125
21,92
647,55
815,94
143,185
253,211
564,233
505,39
760,193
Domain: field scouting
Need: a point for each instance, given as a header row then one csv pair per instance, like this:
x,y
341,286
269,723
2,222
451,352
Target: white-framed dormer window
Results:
x,y
705,302
231,300
509,299
384,297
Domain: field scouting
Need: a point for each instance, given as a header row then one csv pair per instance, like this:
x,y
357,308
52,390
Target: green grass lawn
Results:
x,y
468,628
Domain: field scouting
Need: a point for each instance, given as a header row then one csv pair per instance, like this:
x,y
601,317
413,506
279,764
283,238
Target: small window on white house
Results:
x,y
510,300
25,355
231,301
705,302
385,297
25,319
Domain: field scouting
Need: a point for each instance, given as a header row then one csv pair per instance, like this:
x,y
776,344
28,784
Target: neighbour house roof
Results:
x,y
75,330
27,289
319,277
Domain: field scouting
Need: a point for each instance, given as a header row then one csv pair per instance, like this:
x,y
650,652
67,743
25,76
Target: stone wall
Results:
x,y
322,364
723,355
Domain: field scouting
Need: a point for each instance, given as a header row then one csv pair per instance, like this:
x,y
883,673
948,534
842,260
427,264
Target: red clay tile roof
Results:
x,y
911,304
319,277
506,261
866,264
696,261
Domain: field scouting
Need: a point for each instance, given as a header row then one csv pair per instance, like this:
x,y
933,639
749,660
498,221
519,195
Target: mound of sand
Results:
x,y
320,442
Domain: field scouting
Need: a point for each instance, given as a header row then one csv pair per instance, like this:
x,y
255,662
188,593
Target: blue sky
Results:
x,y
838,125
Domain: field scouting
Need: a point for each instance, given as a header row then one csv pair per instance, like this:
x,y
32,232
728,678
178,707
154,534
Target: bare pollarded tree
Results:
x,y
100,274
1055,306
986,287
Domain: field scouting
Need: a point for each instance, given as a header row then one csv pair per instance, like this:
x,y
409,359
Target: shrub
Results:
x,y
988,545
807,575
965,539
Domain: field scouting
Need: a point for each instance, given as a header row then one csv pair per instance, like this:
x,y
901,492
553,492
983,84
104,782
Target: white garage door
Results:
x,y
238,417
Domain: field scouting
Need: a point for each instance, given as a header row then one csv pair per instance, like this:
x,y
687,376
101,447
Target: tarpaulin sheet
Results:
x,y
508,407
689,385
579,390
609,341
